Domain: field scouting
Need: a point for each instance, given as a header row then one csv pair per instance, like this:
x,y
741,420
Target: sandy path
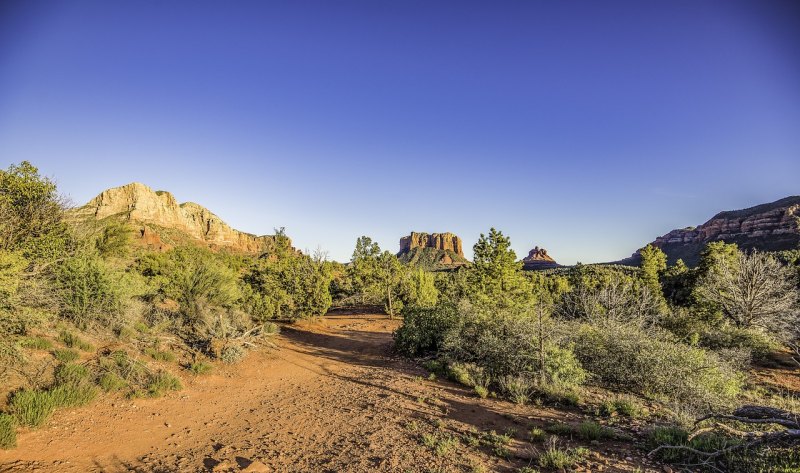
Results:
x,y
332,398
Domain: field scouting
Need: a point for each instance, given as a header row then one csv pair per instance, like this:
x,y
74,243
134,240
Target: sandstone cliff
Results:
x,y
767,227
161,221
439,241
432,250
538,259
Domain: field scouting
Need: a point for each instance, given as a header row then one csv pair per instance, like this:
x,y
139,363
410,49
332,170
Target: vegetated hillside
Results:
x,y
767,227
432,251
161,222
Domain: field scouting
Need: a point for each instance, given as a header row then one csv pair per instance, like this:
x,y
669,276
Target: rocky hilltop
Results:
x,y
432,250
767,227
163,222
538,259
438,241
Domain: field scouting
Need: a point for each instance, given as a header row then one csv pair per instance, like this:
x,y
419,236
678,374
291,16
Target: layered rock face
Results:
x,y
438,241
767,227
138,204
432,251
538,259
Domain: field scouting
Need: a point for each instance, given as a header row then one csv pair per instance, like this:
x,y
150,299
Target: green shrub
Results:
x,y
88,291
458,373
73,341
565,395
71,374
537,434
161,382
676,436
199,367
517,388
622,405
8,432
627,357
560,428
72,395
589,430
36,343
110,382
558,458
157,355
31,408
66,355
482,392
726,337
423,329
232,354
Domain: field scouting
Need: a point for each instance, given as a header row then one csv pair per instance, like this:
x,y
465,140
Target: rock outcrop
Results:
x,y
767,227
161,221
438,241
538,259
432,251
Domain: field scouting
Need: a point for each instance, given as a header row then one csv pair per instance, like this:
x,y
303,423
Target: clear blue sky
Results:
x,y
585,127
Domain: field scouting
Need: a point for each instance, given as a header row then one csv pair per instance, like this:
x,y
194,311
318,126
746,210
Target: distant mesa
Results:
x,y
439,241
538,259
161,222
432,250
767,227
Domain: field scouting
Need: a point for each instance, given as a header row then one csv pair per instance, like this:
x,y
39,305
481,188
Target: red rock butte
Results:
x,y
439,241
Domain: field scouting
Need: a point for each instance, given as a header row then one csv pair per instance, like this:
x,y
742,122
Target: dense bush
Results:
x,y
506,344
87,290
31,214
424,329
630,359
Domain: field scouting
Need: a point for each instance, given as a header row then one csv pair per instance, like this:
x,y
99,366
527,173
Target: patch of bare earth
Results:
x,y
332,398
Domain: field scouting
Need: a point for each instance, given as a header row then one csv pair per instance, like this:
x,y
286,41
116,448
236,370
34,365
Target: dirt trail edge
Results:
x,y
332,398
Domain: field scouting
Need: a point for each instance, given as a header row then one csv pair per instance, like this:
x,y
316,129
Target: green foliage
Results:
x,y
73,341
505,342
232,354
87,290
161,382
114,239
12,265
160,355
8,432
537,434
590,430
423,329
65,355
199,368
496,276
36,343
654,261
291,286
442,444
31,214
623,405
194,276
31,408
69,373
111,382
676,436
72,395
629,358
419,289
560,458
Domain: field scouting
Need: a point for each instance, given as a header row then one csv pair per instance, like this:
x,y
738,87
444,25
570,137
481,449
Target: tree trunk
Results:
x,y
541,348
389,301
